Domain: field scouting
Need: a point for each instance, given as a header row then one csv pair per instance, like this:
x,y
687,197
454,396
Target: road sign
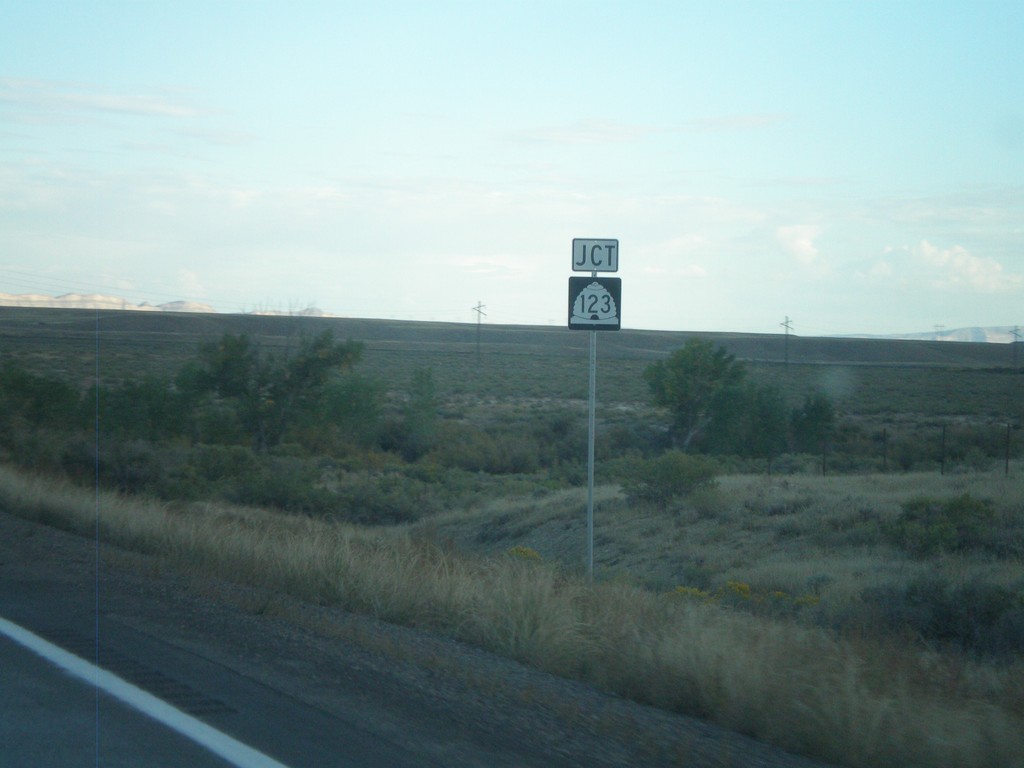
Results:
x,y
595,303
595,255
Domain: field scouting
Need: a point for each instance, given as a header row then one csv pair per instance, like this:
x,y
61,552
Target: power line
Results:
x,y
788,325
480,314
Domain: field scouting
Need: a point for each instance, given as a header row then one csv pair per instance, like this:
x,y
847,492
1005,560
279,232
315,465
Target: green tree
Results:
x,y
349,414
696,384
144,409
672,475
267,392
754,422
813,422
37,399
419,418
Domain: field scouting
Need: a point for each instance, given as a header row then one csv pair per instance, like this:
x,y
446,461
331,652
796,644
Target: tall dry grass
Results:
x,y
855,703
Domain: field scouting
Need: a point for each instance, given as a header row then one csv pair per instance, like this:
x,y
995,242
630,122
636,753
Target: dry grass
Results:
x,y
796,534
859,703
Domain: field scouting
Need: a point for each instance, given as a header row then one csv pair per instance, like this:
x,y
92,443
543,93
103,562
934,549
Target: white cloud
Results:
x,y
957,268
611,131
586,132
692,270
799,241
732,122
503,266
880,269
42,99
677,256
189,284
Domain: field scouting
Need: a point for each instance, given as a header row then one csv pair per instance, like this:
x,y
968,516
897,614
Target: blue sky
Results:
x,y
857,167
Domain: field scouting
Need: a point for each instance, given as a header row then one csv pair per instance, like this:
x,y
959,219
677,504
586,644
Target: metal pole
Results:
x,y
590,456
480,314
1006,470
942,458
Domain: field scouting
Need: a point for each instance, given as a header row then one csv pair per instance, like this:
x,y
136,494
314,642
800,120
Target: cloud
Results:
x,y
691,270
799,241
222,138
586,132
612,132
956,268
677,256
53,100
189,283
501,266
880,269
723,123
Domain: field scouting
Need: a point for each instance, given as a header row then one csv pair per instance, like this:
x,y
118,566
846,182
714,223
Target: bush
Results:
x,y
220,462
928,526
131,466
474,450
38,399
384,498
672,475
980,617
285,482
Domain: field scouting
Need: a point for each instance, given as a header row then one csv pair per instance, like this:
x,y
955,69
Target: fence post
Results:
x,y
942,457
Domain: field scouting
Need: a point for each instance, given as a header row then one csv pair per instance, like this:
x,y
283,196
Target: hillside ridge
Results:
x,y
22,324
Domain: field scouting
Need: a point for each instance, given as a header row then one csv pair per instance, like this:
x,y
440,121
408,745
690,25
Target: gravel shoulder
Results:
x,y
454,704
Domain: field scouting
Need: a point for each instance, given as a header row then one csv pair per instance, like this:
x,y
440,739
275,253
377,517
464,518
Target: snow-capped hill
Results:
x,y
990,335
96,301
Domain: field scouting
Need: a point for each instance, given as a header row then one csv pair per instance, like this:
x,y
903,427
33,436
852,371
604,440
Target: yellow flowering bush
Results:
x,y
524,553
739,588
694,592
747,594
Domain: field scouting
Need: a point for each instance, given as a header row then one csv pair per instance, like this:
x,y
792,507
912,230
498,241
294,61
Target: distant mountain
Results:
x,y
991,335
307,312
97,301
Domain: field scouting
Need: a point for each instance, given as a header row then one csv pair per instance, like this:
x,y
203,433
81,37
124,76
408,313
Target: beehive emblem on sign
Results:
x,y
595,305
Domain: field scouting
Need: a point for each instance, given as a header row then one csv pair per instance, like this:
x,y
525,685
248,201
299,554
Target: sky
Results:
x,y
855,167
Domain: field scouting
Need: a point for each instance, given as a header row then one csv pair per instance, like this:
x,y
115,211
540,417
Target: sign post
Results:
x,y
595,304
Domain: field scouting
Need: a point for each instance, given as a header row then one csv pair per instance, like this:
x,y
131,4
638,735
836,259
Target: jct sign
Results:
x,y
595,255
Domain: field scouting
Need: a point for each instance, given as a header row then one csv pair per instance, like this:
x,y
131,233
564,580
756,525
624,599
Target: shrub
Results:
x,y
928,526
38,399
976,616
127,466
474,450
220,462
285,482
524,553
672,475
384,498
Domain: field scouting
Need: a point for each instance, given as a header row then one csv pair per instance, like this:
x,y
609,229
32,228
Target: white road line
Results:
x,y
235,752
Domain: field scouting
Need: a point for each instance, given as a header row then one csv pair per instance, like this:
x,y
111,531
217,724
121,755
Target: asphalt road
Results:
x,y
50,717
297,683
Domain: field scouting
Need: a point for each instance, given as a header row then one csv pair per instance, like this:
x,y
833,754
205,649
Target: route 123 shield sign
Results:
x,y
595,303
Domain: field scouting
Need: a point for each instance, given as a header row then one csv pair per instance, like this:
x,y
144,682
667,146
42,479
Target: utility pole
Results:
x,y
480,314
788,325
1016,341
